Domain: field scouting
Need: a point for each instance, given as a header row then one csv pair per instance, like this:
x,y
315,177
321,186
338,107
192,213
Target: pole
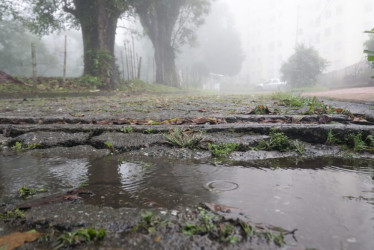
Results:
x,y
131,64
33,59
65,56
123,66
139,67
127,62
133,56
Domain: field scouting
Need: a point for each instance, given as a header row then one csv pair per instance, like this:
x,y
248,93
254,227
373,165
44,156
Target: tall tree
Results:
x,y
96,18
170,24
303,67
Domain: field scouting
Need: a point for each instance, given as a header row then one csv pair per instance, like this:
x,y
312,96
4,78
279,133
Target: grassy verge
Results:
x,y
79,84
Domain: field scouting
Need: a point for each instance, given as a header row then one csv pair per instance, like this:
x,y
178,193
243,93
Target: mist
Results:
x,y
240,44
270,30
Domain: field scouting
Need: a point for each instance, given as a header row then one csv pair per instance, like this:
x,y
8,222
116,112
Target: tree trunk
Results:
x,y
166,70
98,20
159,20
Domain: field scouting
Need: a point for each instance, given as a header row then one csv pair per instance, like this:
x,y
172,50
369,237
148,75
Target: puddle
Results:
x,y
221,186
329,201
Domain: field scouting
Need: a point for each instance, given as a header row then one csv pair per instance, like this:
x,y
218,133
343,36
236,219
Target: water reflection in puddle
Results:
x,y
331,205
52,174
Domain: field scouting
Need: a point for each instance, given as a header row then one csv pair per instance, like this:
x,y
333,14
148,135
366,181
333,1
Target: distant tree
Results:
x,y
15,50
303,67
97,20
369,47
170,24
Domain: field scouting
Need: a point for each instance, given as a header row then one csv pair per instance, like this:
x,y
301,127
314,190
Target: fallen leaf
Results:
x,y
103,122
14,240
219,208
338,110
212,120
71,197
202,110
297,118
76,115
121,121
157,239
200,120
358,119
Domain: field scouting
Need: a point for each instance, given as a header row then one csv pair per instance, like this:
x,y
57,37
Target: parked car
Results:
x,y
272,85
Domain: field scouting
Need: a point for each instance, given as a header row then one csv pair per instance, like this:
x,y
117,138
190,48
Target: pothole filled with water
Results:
x,y
330,201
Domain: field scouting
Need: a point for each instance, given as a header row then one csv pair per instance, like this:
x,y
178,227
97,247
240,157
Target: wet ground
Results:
x,y
104,161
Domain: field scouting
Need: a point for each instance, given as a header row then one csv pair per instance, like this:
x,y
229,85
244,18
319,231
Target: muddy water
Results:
x,y
329,201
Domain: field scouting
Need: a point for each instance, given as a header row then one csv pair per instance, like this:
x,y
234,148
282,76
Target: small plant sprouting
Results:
x,y
17,146
356,142
33,145
261,110
278,141
222,150
317,107
110,147
314,106
183,138
277,239
224,231
14,214
149,131
331,139
120,160
149,222
80,236
127,130
24,192
204,226
370,141
83,184
247,228
299,147
288,100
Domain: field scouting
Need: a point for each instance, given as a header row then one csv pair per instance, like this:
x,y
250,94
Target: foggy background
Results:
x,y
242,43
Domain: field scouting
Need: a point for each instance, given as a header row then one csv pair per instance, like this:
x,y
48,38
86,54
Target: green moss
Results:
x,y
78,237
278,141
14,214
127,130
223,149
149,223
331,139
